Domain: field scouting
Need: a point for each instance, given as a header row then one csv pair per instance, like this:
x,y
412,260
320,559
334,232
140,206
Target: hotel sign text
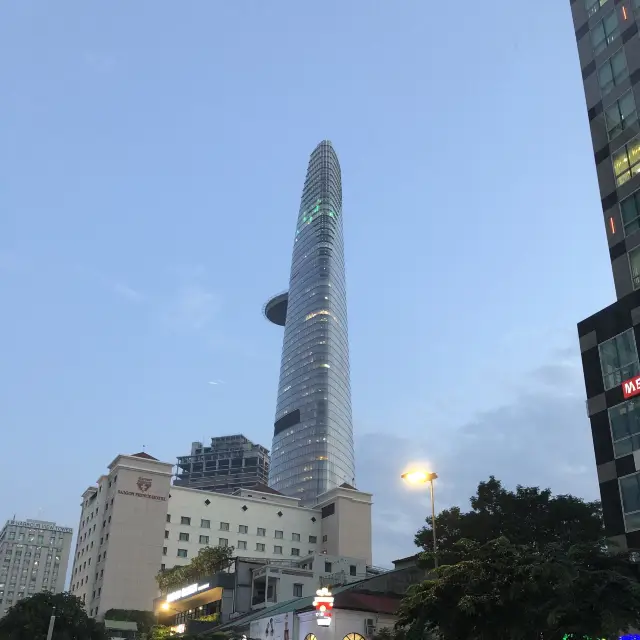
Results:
x,y
137,494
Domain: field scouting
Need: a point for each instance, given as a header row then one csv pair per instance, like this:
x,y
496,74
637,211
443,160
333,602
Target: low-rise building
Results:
x,y
361,609
34,555
134,523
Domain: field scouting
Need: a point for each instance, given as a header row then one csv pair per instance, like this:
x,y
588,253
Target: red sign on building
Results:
x,y
631,387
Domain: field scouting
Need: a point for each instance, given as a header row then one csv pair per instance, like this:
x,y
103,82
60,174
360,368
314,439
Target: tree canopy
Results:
x,y
527,516
209,560
504,591
29,619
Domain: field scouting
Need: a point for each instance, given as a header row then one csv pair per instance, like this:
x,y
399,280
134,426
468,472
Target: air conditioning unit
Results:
x,y
369,627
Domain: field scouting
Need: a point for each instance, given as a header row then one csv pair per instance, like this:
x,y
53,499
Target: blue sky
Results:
x,y
152,157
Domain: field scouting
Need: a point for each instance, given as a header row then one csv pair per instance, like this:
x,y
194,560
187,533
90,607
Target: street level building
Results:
x,y
312,450
33,557
606,32
227,464
134,524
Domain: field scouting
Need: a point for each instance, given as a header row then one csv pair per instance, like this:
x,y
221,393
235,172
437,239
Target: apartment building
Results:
x,y
34,555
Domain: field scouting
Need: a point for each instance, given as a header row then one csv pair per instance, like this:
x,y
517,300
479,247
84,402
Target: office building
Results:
x,y
134,524
227,464
312,449
34,555
609,51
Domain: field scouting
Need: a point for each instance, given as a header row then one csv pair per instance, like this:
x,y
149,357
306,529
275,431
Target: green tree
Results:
x,y
527,515
159,632
29,619
209,560
503,591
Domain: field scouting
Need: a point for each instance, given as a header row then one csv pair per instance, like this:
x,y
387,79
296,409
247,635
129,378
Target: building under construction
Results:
x,y
229,463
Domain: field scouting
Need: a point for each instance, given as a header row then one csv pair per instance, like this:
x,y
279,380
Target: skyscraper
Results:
x,y
609,50
312,449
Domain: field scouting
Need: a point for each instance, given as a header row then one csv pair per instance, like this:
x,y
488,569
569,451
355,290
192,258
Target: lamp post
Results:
x,y
52,621
422,477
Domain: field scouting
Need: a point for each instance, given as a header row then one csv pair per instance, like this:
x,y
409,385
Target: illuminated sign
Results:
x,y
631,387
186,591
323,602
179,628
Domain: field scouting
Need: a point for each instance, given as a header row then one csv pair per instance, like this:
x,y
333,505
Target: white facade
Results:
x,y
257,524
134,524
33,557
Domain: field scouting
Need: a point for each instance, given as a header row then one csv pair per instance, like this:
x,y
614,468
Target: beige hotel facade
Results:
x,y
134,523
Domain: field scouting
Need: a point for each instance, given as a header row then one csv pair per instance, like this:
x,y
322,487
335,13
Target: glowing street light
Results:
x,y
420,476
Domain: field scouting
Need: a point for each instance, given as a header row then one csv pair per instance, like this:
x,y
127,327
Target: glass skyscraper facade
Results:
x,y
312,449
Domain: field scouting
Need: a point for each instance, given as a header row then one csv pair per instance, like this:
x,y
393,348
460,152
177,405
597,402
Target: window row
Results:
x,y
242,528
241,546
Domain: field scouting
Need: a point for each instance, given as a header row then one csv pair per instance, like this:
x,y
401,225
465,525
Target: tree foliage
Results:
x,y
209,560
29,619
505,591
526,516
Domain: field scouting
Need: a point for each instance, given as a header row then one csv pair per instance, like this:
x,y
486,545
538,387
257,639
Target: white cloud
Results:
x,y
539,437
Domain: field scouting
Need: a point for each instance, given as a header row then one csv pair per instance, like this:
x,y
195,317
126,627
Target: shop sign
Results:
x,y
323,602
186,591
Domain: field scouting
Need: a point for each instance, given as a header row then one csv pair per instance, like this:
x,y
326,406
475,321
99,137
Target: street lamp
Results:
x,y
420,476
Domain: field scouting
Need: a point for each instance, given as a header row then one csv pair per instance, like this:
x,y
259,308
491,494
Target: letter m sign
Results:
x,y
631,387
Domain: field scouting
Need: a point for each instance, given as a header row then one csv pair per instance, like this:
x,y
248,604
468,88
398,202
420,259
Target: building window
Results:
x,y
259,546
325,538
279,535
295,537
620,115
295,552
357,636
619,359
204,540
262,532
164,551
168,517
630,212
183,537
243,528
313,539
625,427
593,6
277,550
185,520
604,33
630,492
205,524
166,536
612,72
224,526
626,161
353,570
223,542
297,591
634,265
242,544
182,553
327,567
